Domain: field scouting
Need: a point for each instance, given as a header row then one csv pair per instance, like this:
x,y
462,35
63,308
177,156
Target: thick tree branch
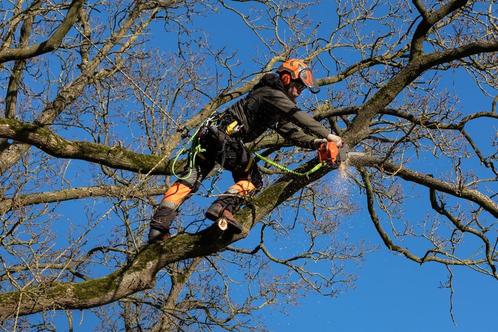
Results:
x,y
116,157
359,128
140,272
428,21
427,180
449,55
421,9
52,43
76,193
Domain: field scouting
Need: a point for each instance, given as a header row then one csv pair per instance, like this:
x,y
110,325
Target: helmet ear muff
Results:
x,y
285,78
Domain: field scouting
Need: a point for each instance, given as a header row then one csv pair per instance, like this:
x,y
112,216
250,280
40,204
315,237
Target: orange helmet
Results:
x,y
299,70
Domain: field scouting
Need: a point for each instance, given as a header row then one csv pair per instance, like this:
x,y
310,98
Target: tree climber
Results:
x,y
270,104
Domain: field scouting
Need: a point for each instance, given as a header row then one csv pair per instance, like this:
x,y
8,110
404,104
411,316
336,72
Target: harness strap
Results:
x,y
196,149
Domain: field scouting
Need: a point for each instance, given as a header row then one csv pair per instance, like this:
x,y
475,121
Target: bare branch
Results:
x,y
429,19
69,93
52,43
427,180
116,157
76,193
440,208
429,256
421,9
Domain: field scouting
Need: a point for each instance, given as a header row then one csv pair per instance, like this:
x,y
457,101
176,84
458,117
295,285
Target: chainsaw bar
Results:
x,y
343,153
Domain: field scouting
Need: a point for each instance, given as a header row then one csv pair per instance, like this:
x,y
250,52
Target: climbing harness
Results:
x,y
326,153
194,150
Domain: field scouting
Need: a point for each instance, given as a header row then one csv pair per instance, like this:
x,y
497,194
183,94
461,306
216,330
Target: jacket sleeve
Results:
x,y
293,114
295,134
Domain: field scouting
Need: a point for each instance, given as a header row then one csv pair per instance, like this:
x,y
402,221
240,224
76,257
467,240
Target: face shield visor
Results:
x,y
307,78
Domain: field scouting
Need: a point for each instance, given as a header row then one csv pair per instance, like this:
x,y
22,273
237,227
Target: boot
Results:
x,y
160,223
222,208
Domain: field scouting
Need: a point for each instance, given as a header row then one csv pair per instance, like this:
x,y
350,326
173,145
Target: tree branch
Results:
x,y
440,208
446,56
327,112
359,128
52,43
12,153
140,272
428,21
430,255
167,321
76,193
421,9
49,142
426,180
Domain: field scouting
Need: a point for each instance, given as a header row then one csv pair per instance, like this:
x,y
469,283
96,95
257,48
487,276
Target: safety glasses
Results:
x,y
308,80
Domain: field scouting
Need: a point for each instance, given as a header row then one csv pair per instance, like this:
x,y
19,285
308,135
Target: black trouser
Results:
x,y
228,152
231,154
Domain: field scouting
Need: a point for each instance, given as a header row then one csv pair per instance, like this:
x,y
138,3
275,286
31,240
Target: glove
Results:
x,y
330,138
336,139
319,141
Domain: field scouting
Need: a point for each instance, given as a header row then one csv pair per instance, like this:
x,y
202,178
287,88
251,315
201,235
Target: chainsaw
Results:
x,y
329,153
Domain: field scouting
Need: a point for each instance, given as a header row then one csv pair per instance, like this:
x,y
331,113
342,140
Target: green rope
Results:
x,y
288,170
195,149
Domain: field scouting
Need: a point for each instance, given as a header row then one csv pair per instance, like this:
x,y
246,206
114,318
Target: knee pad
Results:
x,y
242,188
192,183
175,195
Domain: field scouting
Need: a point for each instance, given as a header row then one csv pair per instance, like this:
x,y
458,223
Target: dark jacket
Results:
x,y
268,106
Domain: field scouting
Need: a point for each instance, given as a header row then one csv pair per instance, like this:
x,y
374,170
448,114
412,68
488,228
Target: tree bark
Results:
x,y
52,43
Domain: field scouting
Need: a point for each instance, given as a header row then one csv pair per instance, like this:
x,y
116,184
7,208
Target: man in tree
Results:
x,y
270,104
